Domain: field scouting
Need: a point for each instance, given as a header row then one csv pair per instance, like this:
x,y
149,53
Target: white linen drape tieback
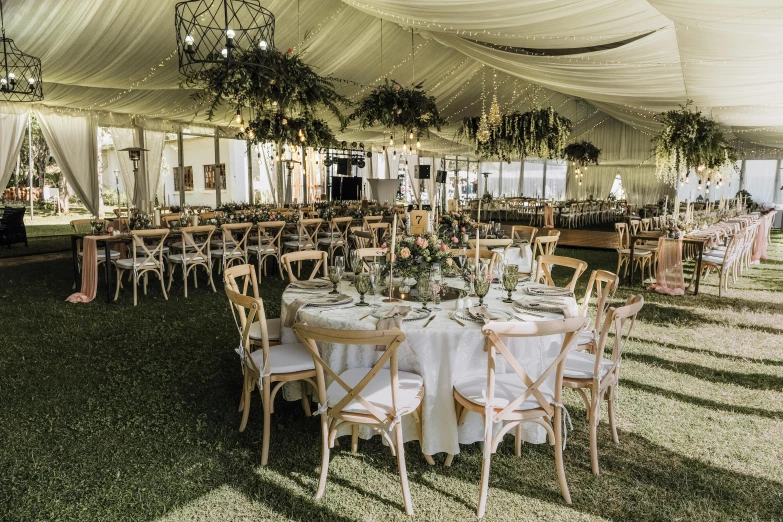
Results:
x,y
261,378
488,407
566,416
321,410
395,420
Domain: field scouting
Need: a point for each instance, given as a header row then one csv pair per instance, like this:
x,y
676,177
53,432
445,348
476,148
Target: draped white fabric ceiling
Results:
x,y
627,59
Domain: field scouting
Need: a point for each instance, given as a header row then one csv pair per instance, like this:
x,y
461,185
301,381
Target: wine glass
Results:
x,y
498,230
356,262
381,283
424,286
362,282
463,253
482,285
373,270
510,280
334,275
339,262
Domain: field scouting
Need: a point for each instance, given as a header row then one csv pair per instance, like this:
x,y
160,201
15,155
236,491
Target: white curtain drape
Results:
x,y
642,187
124,138
73,140
13,122
597,182
153,142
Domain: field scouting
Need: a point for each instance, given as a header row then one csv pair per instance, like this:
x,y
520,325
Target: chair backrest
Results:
x,y
388,340
379,232
245,275
491,244
523,233
371,254
206,216
617,318
246,310
200,252
235,238
545,264
635,225
366,220
623,236
340,227
271,231
152,253
545,245
168,219
605,285
308,232
494,333
81,226
483,254
318,256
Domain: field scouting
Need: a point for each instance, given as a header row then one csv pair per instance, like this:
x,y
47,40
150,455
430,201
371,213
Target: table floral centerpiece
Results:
x,y
138,220
414,254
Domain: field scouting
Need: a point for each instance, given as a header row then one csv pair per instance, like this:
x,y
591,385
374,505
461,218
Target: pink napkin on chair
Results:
x,y
89,271
291,311
392,319
549,217
669,278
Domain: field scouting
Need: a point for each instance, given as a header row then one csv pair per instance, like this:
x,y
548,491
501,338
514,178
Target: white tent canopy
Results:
x,y
608,65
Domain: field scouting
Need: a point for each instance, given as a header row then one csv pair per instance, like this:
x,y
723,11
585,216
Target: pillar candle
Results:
x,y
478,232
156,218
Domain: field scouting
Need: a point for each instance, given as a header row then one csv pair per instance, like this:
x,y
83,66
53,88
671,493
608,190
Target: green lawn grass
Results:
x,y
118,413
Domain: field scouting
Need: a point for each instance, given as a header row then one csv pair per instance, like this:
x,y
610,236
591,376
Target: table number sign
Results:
x,y
419,222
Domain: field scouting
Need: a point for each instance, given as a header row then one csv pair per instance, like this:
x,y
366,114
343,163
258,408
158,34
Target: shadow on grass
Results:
x,y
710,353
759,381
704,403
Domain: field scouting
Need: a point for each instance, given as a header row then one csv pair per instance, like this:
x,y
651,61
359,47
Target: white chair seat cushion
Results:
x,y
714,260
219,243
219,253
128,263
508,386
285,358
585,337
378,391
140,251
636,251
331,241
272,330
580,365
264,249
297,244
190,256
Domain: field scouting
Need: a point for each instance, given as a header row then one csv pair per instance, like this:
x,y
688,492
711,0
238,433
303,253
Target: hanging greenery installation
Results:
x,y
689,140
276,128
408,109
540,133
583,153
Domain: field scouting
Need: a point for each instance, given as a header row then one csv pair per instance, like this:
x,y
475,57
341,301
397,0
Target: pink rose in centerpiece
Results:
x,y
443,247
440,220
420,242
472,277
424,243
405,253
383,245
110,230
454,239
490,278
463,229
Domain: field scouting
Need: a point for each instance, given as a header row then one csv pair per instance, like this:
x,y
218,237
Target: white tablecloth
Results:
x,y
440,353
518,255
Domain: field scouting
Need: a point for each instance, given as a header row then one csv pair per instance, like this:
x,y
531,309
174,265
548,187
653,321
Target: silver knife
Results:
x,y
429,321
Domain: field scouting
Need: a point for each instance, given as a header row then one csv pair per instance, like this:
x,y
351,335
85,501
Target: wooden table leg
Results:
x,y
630,264
77,274
107,268
698,269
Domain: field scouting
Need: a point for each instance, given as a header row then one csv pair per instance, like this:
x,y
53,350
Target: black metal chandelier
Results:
x,y
211,32
20,73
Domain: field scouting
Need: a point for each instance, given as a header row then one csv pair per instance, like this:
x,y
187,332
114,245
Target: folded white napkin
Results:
x,y
392,318
315,283
483,313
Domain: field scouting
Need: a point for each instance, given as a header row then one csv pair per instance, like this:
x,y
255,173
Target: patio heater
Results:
x,y
135,157
117,184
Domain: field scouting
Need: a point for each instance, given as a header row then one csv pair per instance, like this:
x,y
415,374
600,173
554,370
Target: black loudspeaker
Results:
x,y
421,171
428,208
346,188
440,176
342,166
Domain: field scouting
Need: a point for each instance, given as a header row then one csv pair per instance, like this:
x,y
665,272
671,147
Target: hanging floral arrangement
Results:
x,y
688,141
267,81
540,133
303,131
582,154
396,107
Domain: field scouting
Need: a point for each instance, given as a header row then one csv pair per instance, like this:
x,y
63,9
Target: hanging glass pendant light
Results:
x,y
20,73
495,118
212,32
483,134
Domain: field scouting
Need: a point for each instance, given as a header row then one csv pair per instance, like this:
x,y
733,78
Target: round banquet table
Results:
x,y
440,353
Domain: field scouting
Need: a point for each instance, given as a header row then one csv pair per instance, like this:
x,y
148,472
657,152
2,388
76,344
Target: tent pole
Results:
x,y
217,170
543,188
250,172
181,164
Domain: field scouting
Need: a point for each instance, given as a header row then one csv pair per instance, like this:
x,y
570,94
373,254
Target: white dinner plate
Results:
x,y
416,314
547,291
463,314
329,300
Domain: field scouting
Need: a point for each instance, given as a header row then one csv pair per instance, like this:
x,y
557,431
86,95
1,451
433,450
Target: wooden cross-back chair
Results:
x,y
168,219
83,226
492,244
371,255
195,253
366,220
513,398
362,238
394,394
379,231
483,254
233,244
545,264
145,258
523,233
269,234
307,235
594,372
604,284
338,236
267,368
319,257
242,279
641,256
546,245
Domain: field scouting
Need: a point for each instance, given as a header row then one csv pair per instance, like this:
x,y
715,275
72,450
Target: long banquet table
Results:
x,y
441,353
